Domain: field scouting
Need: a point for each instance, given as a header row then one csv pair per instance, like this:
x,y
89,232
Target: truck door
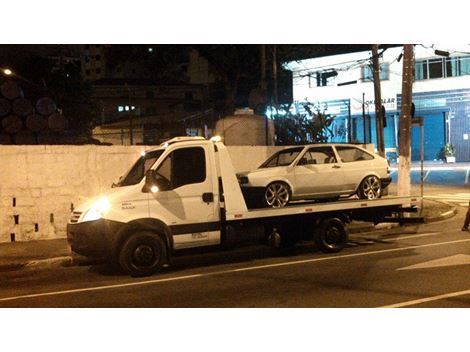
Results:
x,y
186,200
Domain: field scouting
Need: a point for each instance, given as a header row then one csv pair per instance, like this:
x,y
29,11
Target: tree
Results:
x,y
312,126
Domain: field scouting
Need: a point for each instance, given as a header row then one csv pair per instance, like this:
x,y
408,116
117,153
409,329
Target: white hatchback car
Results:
x,y
322,171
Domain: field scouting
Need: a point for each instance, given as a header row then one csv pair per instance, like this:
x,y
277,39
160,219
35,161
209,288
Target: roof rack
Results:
x,y
181,139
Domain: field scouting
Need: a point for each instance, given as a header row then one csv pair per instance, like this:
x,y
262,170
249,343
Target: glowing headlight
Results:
x,y
97,210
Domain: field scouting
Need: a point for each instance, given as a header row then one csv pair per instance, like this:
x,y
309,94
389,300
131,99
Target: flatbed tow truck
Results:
x,y
185,194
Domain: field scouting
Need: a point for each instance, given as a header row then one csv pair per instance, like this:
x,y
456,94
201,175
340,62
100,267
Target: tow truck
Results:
x,y
185,194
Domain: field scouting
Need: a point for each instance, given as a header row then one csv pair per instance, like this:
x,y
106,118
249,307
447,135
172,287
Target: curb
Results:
x,y
49,262
444,216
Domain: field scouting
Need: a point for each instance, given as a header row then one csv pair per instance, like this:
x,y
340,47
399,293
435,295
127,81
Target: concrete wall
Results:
x,y
38,184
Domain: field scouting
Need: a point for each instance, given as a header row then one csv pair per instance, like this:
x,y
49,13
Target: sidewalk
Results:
x,y
53,253
436,173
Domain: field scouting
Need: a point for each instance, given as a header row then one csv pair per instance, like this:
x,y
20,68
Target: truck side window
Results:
x,y
182,167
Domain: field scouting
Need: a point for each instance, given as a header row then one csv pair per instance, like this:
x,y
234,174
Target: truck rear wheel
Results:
x,y
143,254
331,236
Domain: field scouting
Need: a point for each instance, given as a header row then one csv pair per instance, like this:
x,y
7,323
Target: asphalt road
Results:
x,y
420,266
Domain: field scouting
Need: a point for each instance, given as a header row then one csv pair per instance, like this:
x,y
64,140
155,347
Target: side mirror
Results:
x,y
150,180
118,183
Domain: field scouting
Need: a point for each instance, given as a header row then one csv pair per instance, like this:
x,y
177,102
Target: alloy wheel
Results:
x,y
277,195
371,187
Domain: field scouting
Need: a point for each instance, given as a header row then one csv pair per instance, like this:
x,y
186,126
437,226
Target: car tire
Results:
x,y
370,188
276,195
331,236
143,254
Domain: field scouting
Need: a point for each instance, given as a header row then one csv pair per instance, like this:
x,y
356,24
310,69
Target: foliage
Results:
x,y
313,126
449,150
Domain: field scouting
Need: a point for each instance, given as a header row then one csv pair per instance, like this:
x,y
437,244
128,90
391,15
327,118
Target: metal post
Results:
x,y
422,165
364,117
349,122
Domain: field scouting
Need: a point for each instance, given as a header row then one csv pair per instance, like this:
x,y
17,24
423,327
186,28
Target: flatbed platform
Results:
x,y
310,207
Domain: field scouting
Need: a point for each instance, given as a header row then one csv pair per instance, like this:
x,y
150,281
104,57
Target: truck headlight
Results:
x,y
97,210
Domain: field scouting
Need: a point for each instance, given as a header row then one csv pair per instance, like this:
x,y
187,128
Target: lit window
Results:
x,y
421,70
120,108
368,75
326,78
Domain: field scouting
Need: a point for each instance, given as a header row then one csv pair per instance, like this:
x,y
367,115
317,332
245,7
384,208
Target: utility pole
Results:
x,y
378,101
404,164
275,75
264,86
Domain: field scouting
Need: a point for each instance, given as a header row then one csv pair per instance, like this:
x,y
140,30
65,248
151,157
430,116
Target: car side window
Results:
x,y
307,159
322,155
350,154
182,167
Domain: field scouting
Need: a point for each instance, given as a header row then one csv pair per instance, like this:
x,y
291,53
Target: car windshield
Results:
x,y
141,166
282,158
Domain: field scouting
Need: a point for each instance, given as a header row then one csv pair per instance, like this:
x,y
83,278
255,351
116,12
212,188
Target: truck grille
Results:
x,y
75,216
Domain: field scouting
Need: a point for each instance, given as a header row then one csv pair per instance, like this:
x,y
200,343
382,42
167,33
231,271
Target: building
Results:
x,y
342,86
142,112
93,61
135,108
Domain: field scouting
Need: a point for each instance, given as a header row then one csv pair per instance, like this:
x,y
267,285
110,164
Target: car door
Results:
x,y
318,172
186,198
355,164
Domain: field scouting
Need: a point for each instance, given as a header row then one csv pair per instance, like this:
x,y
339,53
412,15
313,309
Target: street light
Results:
x,y
7,71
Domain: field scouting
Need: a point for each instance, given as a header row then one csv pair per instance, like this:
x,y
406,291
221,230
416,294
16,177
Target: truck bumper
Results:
x,y
93,239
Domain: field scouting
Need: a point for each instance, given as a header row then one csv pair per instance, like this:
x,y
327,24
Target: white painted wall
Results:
x,y
45,180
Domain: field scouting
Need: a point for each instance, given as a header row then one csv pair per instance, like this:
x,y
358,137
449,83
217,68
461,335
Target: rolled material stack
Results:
x,y
23,122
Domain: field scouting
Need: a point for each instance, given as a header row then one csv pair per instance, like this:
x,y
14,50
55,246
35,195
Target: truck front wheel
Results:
x,y
331,236
142,254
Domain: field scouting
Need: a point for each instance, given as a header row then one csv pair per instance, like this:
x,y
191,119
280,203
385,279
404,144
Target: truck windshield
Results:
x,y
141,166
282,158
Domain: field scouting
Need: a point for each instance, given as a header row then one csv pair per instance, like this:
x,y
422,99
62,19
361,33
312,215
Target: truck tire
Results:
x,y
331,236
143,254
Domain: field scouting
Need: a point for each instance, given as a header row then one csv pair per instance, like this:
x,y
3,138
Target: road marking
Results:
x,y
402,237
458,259
257,267
427,299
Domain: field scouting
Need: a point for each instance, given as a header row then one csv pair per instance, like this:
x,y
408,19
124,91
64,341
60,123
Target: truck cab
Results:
x,y
170,197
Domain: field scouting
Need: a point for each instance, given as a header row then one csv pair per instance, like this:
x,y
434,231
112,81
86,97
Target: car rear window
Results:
x,y
350,154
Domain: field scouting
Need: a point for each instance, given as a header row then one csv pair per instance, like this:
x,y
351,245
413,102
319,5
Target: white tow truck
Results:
x,y
185,194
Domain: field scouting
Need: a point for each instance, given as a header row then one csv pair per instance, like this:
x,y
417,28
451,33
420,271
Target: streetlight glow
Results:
x,y
7,71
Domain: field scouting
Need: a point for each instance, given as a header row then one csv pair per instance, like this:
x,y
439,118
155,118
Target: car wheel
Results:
x,y
142,254
277,195
370,188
